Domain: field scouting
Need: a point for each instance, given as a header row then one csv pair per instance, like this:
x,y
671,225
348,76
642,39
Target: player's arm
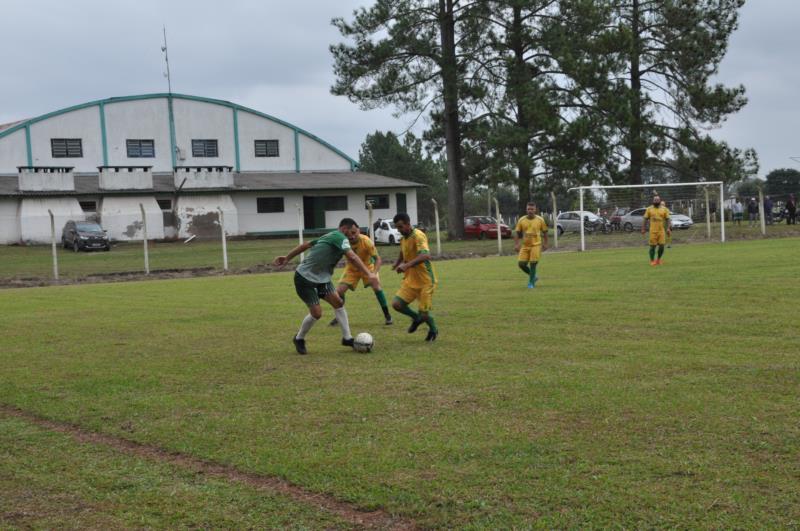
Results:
x,y
517,236
398,261
545,242
356,261
377,262
283,260
422,256
645,217
668,222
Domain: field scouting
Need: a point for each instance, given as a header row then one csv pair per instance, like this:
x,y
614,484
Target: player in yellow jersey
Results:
x,y
366,251
419,277
533,231
658,216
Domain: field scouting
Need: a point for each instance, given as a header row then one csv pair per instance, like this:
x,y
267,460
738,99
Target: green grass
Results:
x,y
614,394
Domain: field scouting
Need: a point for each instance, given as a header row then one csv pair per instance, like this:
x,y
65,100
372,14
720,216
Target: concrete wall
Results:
x,y
46,181
124,179
13,153
252,128
83,124
316,157
357,210
197,178
200,120
140,119
122,218
198,215
9,221
251,221
34,221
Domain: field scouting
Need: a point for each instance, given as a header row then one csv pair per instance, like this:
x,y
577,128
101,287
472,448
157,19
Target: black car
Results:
x,y
84,236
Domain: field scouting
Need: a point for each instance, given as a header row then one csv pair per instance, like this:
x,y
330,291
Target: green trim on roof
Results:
x,y
236,136
102,108
170,97
28,147
297,152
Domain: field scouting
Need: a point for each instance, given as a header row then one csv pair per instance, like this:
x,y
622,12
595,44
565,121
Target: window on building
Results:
x,y
140,148
88,206
335,202
267,148
269,205
379,201
164,204
204,148
66,148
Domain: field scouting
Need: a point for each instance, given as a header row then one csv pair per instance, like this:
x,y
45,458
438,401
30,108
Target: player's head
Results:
x,y
530,209
656,200
403,223
349,228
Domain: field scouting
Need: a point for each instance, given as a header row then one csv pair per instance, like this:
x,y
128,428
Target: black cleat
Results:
x,y
334,322
348,342
414,325
299,345
389,320
432,335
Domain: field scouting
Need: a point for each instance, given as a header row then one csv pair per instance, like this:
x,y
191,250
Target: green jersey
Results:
x,y
323,256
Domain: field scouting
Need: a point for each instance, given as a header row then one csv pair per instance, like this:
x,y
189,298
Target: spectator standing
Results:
x,y
768,210
791,210
738,212
752,211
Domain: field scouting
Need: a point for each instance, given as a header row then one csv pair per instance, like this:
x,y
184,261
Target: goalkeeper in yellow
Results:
x,y
419,277
365,249
533,231
658,215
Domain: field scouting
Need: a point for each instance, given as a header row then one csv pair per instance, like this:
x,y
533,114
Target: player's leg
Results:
x,y
308,294
662,239
535,255
425,305
405,296
652,242
332,297
341,289
524,260
381,296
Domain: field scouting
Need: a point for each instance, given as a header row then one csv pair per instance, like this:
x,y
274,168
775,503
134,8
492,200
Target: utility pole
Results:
x,y
166,60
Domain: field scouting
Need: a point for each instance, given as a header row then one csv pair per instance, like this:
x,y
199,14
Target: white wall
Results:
x,y
9,221
35,221
357,210
83,124
122,218
197,215
199,120
140,119
252,128
13,152
315,157
251,221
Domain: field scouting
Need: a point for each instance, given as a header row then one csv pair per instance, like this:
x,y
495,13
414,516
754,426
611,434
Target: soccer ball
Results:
x,y
363,342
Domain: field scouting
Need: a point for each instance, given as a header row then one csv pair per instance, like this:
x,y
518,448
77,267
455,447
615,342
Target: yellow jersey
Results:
x,y
657,216
412,246
364,249
531,230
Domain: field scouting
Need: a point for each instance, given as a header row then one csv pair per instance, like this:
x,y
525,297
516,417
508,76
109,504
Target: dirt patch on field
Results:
x,y
349,512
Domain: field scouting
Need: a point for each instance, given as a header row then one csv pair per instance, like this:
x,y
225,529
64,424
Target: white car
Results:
x,y
386,232
679,221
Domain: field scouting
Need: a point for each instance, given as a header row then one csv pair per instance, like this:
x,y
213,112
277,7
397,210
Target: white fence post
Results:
x,y
580,215
438,234
144,239
708,215
499,234
761,212
722,211
555,223
53,243
300,228
224,240
370,215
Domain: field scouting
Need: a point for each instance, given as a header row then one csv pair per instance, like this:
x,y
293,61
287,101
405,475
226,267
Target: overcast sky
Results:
x,y
273,56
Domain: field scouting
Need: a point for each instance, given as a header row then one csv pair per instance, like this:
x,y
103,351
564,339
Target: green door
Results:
x,y
314,212
401,203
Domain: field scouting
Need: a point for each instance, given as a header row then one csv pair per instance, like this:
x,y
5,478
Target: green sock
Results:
x,y
652,252
405,310
532,274
524,267
660,251
382,301
431,323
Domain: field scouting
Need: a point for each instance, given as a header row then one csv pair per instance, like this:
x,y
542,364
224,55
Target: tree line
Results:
x,y
538,95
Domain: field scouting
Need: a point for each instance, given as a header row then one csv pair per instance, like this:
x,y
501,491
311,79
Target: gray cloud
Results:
x,y
273,56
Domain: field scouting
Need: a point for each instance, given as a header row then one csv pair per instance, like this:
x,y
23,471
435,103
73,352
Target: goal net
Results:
x,y
613,216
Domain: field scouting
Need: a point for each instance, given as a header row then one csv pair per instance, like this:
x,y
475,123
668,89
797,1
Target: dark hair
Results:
x,y
402,216
348,223
531,203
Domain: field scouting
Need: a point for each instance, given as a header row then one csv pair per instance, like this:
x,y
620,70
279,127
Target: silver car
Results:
x,y
570,221
680,221
633,220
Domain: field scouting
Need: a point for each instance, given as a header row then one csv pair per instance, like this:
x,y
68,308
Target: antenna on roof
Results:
x,y
166,60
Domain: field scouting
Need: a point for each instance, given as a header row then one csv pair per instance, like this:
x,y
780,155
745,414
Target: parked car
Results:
x,y
616,217
680,221
385,232
570,221
633,220
84,236
484,227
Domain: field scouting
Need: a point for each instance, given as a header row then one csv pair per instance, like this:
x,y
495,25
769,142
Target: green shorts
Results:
x,y
311,292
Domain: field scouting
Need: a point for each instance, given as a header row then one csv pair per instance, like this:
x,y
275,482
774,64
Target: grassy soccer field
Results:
x,y
614,394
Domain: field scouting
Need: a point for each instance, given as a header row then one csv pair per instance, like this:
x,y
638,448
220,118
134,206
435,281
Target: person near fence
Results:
x,y
365,249
752,211
738,212
791,210
419,277
768,210
312,278
532,229
658,216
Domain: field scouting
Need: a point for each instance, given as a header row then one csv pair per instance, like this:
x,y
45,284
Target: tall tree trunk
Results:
x,y
636,142
519,81
452,124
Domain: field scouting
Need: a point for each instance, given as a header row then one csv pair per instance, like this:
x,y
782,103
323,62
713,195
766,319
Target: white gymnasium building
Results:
x,y
184,158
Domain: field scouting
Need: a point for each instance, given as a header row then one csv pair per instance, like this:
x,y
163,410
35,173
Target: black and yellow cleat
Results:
x,y
432,335
299,345
414,325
